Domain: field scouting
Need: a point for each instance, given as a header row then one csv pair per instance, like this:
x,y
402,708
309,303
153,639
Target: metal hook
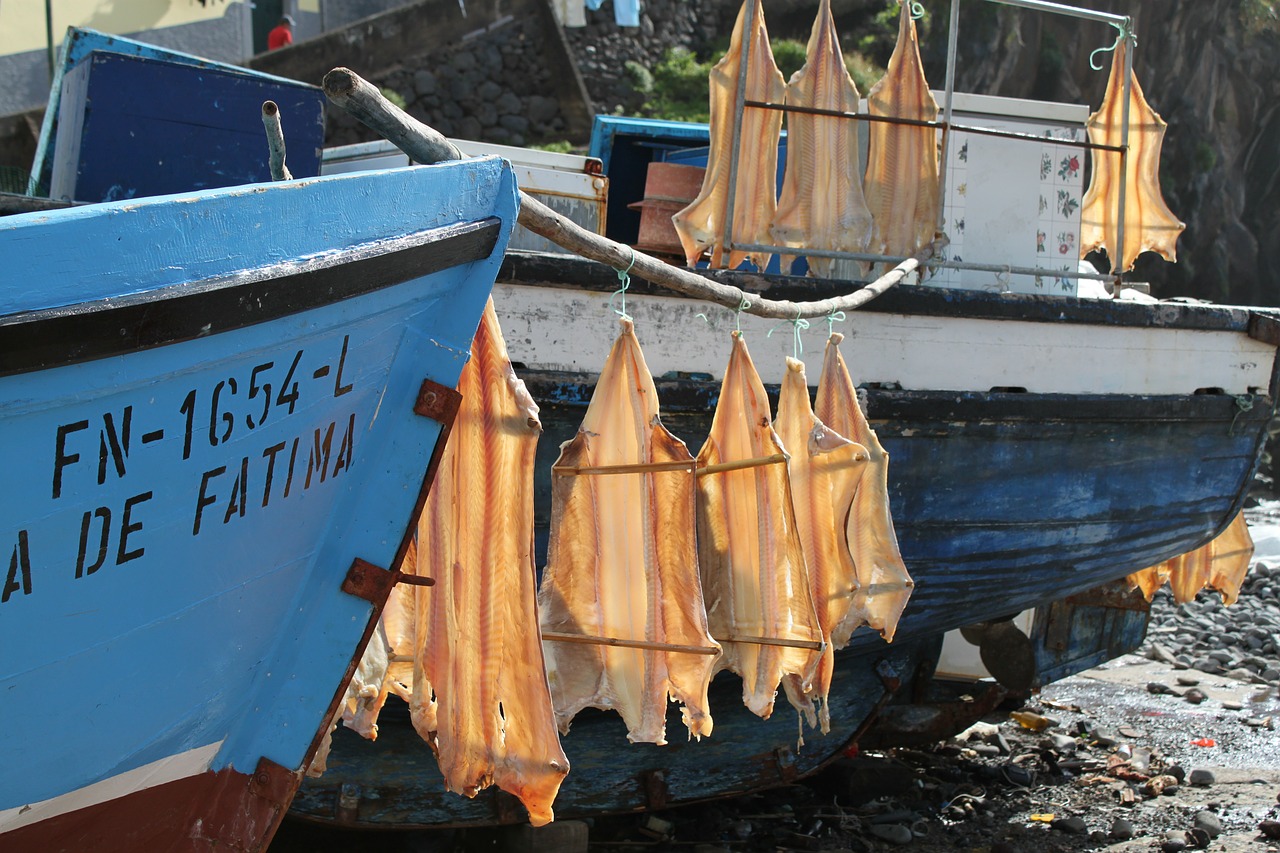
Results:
x,y
1122,35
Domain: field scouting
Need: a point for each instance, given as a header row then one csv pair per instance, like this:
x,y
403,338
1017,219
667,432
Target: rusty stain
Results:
x,y
437,402
274,782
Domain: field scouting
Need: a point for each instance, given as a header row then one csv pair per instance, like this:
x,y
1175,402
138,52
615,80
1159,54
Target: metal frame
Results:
x,y
1123,23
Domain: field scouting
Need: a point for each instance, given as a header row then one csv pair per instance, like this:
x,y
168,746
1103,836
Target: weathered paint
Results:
x,y
176,532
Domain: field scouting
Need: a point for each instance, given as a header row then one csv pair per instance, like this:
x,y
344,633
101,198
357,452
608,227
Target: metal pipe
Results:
x,y
1070,11
1117,264
738,109
48,34
935,264
947,130
913,122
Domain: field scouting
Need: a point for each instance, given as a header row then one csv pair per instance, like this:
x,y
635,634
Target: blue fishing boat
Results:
x,y
216,411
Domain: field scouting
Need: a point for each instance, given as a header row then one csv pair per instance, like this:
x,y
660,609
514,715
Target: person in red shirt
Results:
x,y
281,35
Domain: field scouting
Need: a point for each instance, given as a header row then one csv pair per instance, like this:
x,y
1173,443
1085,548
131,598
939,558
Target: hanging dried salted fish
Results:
x,y
1149,225
1220,564
822,205
701,225
886,585
901,181
622,565
753,569
480,694
824,471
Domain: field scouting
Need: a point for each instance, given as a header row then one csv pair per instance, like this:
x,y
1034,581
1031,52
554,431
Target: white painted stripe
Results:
x,y
563,329
190,763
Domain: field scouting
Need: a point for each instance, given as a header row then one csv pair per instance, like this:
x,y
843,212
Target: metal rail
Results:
x,y
1123,23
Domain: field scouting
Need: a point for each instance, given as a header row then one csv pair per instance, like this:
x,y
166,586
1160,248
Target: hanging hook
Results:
x,y
1122,34
624,277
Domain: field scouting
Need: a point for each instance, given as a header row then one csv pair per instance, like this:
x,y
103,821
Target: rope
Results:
x,y
624,276
917,10
833,318
1244,403
797,345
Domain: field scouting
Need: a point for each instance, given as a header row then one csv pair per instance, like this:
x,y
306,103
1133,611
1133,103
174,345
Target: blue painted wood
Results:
x,y
77,45
177,521
138,126
400,783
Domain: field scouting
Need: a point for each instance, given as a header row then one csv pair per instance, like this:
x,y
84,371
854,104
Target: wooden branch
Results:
x,y
739,464
424,145
275,141
629,468
775,641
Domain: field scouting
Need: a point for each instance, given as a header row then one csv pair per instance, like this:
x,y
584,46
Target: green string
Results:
x,y
1244,403
1122,35
624,277
799,324
917,10
833,318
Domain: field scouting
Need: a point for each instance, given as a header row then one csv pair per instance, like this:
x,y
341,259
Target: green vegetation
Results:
x,y
1259,16
394,97
677,87
562,146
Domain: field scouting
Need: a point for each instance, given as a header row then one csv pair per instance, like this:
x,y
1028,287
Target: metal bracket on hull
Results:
x,y
273,782
438,402
653,784
370,582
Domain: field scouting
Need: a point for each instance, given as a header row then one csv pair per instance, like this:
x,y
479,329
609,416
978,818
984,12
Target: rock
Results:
x,y
1063,743
1157,785
1174,841
1271,674
1195,696
1071,825
894,833
1208,665
1270,828
1199,838
1122,829
1176,771
424,83
1201,778
1232,706
1209,822
1161,653
1187,681
1240,674
1156,688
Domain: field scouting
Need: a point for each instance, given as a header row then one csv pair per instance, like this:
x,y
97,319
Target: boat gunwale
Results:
x,y
543,269
46,338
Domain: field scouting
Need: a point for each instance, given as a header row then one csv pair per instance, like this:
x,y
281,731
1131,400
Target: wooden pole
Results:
x,y
275,141
424,145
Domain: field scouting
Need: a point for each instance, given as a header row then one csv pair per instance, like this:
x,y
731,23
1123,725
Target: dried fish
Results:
x,y
753,570
480,693
701,225
901,181
824,471
1149,225
622,563
1220,564
822,205
885,584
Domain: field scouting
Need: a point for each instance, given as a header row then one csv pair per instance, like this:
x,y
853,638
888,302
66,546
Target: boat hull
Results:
x,y
1012,488
217,410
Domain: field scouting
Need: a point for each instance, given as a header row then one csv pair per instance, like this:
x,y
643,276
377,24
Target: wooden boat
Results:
x,y
1042,447
218,408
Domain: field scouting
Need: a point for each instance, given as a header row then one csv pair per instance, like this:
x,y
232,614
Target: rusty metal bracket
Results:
x,y
784,758
367,581
653,784
273,782
437,402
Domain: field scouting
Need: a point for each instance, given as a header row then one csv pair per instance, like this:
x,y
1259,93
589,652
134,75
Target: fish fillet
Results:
x,y
701,225
622,562
480,694
822,205
824,471
1220,564
753,569
901,182
1149,225
885,584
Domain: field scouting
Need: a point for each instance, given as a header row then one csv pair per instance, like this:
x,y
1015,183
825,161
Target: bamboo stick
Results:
x,y
816,645
631,468
348,90
557,637
275,141
739,464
